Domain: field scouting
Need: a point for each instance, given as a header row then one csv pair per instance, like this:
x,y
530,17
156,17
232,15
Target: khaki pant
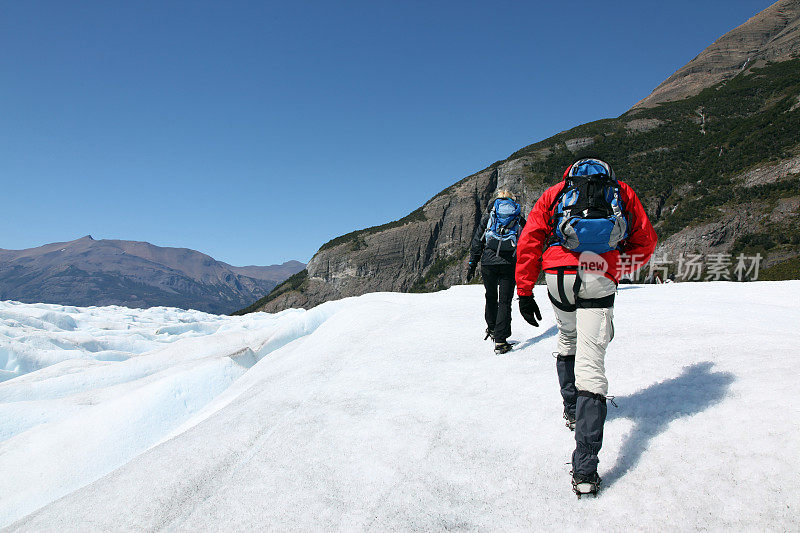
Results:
x,y
584,324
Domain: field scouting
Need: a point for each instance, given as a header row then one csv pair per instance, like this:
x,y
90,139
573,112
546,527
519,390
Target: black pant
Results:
x,y
565,366
498,302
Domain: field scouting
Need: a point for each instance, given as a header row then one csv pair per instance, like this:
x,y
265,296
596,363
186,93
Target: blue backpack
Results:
x,y
588,214
503,228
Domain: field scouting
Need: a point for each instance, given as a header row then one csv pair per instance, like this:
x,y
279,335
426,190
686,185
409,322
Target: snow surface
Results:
x,y
389,411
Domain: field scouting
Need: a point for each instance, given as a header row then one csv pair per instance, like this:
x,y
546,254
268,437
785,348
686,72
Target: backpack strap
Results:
x,y
491,215
552,222
560,194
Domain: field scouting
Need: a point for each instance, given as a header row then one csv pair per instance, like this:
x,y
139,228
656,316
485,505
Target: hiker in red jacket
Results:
x,y
585,233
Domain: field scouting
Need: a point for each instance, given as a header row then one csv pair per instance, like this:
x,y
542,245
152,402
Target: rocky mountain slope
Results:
x,y
87,272
772,35
713,152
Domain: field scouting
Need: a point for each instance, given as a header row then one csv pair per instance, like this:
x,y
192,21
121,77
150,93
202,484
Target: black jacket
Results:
x,y
487,256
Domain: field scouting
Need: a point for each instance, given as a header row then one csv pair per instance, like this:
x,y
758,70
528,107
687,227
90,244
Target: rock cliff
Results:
x,y
712,153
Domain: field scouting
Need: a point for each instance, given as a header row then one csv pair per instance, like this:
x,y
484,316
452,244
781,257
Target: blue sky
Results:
x,y
257,131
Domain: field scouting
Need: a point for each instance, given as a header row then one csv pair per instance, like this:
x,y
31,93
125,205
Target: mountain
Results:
x,y
389,412
87,272
772,35
713,152
275,273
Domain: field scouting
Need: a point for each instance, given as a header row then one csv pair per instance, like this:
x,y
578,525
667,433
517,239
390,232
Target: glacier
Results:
x,y
389,411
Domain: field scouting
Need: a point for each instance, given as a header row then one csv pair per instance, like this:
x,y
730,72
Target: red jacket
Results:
x,y
636,249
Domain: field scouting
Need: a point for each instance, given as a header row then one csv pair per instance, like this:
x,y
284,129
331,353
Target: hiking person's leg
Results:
x,y
489,275
506,284
595,312
559,289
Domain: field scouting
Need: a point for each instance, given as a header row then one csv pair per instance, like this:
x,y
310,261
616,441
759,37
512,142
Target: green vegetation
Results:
x,y
687,163
704,208
784,270
296,282
684,166
777,237
432,280
747,122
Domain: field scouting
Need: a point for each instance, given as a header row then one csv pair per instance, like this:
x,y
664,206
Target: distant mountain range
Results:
x,y
87,272
713,152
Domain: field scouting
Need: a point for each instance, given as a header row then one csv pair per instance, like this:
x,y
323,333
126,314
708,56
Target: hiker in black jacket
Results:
x,y
496,250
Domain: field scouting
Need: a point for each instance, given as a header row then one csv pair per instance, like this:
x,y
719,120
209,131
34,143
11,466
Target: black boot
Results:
x,y
489,334
570,418
586,484
502,347
565,365
590,416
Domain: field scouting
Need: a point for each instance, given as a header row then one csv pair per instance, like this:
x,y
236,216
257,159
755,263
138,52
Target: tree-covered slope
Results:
x,y
718,173
686,159
713,153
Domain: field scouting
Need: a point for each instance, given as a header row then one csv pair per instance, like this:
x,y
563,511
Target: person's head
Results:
x,y
589,166
505,193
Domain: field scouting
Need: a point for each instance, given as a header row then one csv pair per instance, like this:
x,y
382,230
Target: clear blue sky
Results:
x,y
255,131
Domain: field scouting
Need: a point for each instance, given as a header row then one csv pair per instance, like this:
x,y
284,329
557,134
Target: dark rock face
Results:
x,y
429,251
396,258
419,255
87,272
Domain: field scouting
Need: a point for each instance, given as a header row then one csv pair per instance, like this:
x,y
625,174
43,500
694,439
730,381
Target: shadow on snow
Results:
x,y
551,331
653,408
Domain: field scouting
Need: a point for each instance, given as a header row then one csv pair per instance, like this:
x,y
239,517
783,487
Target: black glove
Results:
x,y
471,270
529,310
